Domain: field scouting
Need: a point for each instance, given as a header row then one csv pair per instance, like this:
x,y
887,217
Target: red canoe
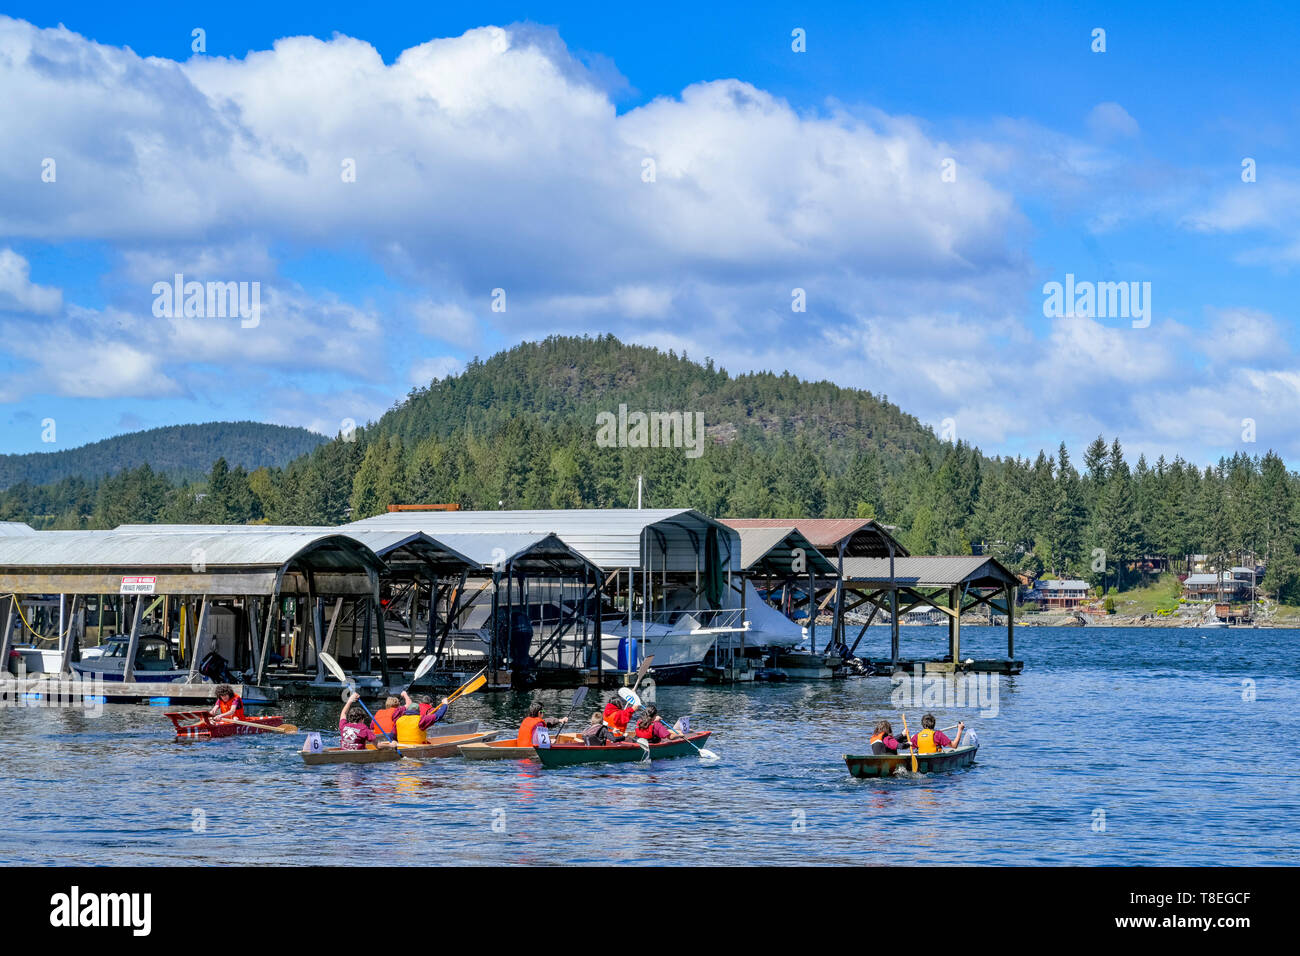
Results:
x,y
203,727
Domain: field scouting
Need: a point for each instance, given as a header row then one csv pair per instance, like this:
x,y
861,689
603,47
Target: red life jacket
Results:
x,y
525,738
234,709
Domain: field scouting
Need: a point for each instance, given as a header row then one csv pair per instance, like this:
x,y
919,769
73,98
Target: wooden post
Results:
x,y
812,611
128,671
272,625
383,639
954,624
1011,621
254,651
199,630
65,663
7,638
318,635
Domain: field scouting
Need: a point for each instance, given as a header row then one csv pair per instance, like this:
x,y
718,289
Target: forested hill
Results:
x,y
179,451
520,430
570,380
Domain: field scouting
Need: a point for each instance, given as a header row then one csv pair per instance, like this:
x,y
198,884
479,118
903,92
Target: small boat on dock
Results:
x,y
332,755
200,725
566,755
447,745
885,765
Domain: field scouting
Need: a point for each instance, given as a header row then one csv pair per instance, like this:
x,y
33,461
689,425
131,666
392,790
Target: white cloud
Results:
x,y
1111,121
425,370
19,293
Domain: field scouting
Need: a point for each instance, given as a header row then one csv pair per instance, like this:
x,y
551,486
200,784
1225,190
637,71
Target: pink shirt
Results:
x,y
355,736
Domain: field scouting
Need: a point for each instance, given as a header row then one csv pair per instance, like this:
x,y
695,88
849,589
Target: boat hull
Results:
x,y
870,765
205,728
567,755
506,749
445,746
335,755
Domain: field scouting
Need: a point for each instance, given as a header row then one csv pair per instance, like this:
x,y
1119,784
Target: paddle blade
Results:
x,y
469,688
645,749
579,696
287,729
426,665
629,697
334,667
707,754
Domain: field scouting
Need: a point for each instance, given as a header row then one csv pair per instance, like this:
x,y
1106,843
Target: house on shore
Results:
x,y
1059,594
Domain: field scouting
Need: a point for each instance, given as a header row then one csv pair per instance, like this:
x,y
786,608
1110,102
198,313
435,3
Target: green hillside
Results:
x,y
179,451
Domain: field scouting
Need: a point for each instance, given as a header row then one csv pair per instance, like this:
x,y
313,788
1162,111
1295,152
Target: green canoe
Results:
x,y
870,765
566,755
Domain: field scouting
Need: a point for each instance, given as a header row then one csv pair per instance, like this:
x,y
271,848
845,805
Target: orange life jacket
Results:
x,y
616,718
525,738
386,720
234,709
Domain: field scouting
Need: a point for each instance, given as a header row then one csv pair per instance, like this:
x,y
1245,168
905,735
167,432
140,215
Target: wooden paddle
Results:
x,y
279,729
915,765
335,668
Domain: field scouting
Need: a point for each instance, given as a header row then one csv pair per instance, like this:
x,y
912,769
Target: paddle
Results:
x,y
426,665
279,729
915,765
579,696
337,670
705,753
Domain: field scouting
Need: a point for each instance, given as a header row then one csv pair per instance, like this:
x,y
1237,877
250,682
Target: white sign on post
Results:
x,y
138,585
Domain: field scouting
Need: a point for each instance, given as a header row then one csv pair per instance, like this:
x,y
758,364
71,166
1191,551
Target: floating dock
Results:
x,y
70,690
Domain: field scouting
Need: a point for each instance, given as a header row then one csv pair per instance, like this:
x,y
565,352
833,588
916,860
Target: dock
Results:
x,y
52,689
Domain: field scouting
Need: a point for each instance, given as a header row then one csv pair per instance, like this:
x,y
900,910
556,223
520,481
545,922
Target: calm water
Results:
x,y
1149,726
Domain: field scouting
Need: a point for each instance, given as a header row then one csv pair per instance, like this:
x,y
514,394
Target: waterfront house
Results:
x,y
1058,593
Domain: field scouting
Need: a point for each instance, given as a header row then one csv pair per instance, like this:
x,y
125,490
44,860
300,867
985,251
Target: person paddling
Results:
x,y
413,724
385,721
354,731
650,727
530,724
927,740
617,717
883,740
229,705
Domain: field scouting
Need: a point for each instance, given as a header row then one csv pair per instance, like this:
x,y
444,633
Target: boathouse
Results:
x,y
267,586
664,573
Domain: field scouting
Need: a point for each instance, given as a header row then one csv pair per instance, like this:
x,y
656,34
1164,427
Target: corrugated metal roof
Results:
x,y
15,527
867,538
1059,585
975,570
610,538
184,549
395,543
526,552
772,549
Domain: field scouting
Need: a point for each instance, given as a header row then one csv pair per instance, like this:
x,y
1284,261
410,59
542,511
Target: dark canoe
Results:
x,y
498,750
566,755
447,745
335,755
886,765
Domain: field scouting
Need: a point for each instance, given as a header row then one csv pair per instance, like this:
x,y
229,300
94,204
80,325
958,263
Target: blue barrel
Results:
x,y
628,656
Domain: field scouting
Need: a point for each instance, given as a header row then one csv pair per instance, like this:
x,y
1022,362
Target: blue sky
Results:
x,y
502,146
